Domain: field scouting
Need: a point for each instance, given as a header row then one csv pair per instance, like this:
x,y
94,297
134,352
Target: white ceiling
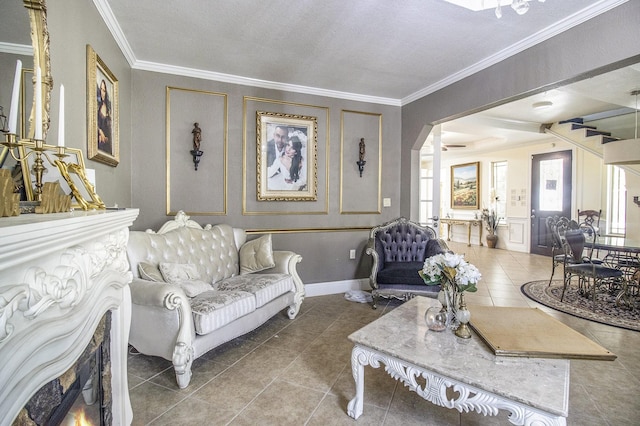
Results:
x,y
392,51
604,101
379,51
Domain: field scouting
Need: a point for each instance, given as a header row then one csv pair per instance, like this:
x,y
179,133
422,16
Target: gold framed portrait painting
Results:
x,y
102,111
286,157
465,184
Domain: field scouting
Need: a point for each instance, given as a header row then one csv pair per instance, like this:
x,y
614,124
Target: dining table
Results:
x,y
624,254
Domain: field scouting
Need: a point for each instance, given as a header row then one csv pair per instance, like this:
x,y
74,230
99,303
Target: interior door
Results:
x,y
550,195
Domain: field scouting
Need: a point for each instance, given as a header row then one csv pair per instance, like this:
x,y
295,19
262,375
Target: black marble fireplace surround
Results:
x,y
51,404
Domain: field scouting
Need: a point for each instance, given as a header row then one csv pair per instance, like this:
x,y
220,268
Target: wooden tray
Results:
x,y
529,332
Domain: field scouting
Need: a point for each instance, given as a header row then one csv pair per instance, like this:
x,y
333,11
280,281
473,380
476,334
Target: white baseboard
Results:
x,y
335,287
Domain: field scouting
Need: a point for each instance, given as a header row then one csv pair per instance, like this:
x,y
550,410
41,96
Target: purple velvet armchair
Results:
x,y
398,249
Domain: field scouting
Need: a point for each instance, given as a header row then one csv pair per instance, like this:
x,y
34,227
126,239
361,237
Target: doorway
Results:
x,y
551,187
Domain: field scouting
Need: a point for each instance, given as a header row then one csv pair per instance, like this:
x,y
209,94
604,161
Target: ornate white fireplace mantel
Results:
x,y
59,274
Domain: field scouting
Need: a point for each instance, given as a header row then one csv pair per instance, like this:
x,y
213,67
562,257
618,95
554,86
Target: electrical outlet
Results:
x,y
352,254
386,202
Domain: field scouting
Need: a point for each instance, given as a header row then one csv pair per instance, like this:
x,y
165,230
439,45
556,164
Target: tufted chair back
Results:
x,y
403,241
213,249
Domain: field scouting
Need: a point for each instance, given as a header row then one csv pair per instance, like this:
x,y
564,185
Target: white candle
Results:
x,y
38,120
13,112
61,124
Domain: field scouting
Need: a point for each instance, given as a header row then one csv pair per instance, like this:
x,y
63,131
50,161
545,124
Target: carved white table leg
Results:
x,y
354,409
469,398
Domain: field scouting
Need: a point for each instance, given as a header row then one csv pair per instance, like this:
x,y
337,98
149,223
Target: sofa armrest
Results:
x,y
170,305
376,264
151,293
443,245
286,263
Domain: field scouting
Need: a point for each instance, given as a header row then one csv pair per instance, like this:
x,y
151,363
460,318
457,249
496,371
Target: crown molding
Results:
x,y
583,15
265,84
16,49
542,35
114,27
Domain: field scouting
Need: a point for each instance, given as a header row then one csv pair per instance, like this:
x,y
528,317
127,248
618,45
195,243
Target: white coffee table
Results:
x,y
532,390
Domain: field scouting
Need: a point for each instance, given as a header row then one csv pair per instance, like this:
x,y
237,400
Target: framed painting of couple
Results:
x,y
286,157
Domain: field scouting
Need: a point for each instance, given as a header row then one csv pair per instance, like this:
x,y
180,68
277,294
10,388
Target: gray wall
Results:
x,y
326,254
604,40
73,25
607,39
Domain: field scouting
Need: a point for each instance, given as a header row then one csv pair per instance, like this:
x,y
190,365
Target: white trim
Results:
x,y
335,287
542,35
16,49
116,31
584,15
254,82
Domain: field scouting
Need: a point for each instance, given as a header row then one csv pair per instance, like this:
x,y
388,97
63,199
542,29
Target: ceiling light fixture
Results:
x,y
626,151
542,105
520,6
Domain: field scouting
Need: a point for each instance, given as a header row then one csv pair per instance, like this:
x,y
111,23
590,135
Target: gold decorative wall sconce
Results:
x,y
361,161
197,139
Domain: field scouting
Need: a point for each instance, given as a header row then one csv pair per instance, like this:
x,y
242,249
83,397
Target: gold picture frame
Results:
x,y
286,157
81,189
465,186
74,155
103,137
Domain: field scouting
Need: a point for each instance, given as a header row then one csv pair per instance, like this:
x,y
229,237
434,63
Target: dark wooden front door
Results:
x,y
550,195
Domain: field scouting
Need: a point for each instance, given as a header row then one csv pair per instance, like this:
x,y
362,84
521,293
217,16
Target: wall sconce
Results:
x,y
361,162
635,200
3,122
197,139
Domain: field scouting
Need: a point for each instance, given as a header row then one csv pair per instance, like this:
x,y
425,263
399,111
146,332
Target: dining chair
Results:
x,y
592,276
590,217
558,255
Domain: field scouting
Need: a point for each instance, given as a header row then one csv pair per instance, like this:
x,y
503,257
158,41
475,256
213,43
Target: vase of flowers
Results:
x,y
491,220
455,276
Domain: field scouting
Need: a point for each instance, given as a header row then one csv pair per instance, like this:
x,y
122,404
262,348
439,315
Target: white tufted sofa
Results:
x,y
167,323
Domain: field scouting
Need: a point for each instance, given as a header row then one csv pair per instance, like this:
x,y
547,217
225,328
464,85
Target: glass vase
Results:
x,y
436,319
448,297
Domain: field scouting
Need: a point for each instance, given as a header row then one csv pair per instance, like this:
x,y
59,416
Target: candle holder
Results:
x,y
39,149
361,151
3,122
197,140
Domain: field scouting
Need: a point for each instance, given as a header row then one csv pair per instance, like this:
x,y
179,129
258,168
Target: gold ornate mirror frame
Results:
x,y
37,10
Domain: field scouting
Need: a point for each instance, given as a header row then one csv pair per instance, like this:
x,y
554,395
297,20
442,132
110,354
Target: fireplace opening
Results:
x,y
81,395
81,404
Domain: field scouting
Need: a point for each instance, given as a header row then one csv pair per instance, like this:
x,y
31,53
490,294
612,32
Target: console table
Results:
x,y
468,223
535,391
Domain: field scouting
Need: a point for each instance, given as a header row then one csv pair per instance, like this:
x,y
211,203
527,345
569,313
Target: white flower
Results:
x,y
450,267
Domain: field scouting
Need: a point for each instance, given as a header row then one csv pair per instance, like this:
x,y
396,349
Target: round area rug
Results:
x,y
606,311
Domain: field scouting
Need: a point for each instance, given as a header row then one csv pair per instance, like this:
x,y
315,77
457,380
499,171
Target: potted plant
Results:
x,y
490,220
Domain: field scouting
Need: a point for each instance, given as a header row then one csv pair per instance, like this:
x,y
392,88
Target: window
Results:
x,y
616,201
426,185
498,193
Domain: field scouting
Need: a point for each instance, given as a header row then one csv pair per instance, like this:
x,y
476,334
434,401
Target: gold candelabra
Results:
x,y
39,149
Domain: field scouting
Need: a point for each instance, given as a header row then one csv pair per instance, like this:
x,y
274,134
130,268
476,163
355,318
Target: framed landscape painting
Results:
x,y
286,157
465,184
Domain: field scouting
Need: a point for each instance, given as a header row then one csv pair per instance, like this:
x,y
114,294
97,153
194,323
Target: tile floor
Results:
x,y
298,372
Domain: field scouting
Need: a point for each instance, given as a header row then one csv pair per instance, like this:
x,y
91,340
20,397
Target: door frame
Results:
x,y
537,216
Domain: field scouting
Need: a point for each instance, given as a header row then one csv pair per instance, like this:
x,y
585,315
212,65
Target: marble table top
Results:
x,y
403,334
